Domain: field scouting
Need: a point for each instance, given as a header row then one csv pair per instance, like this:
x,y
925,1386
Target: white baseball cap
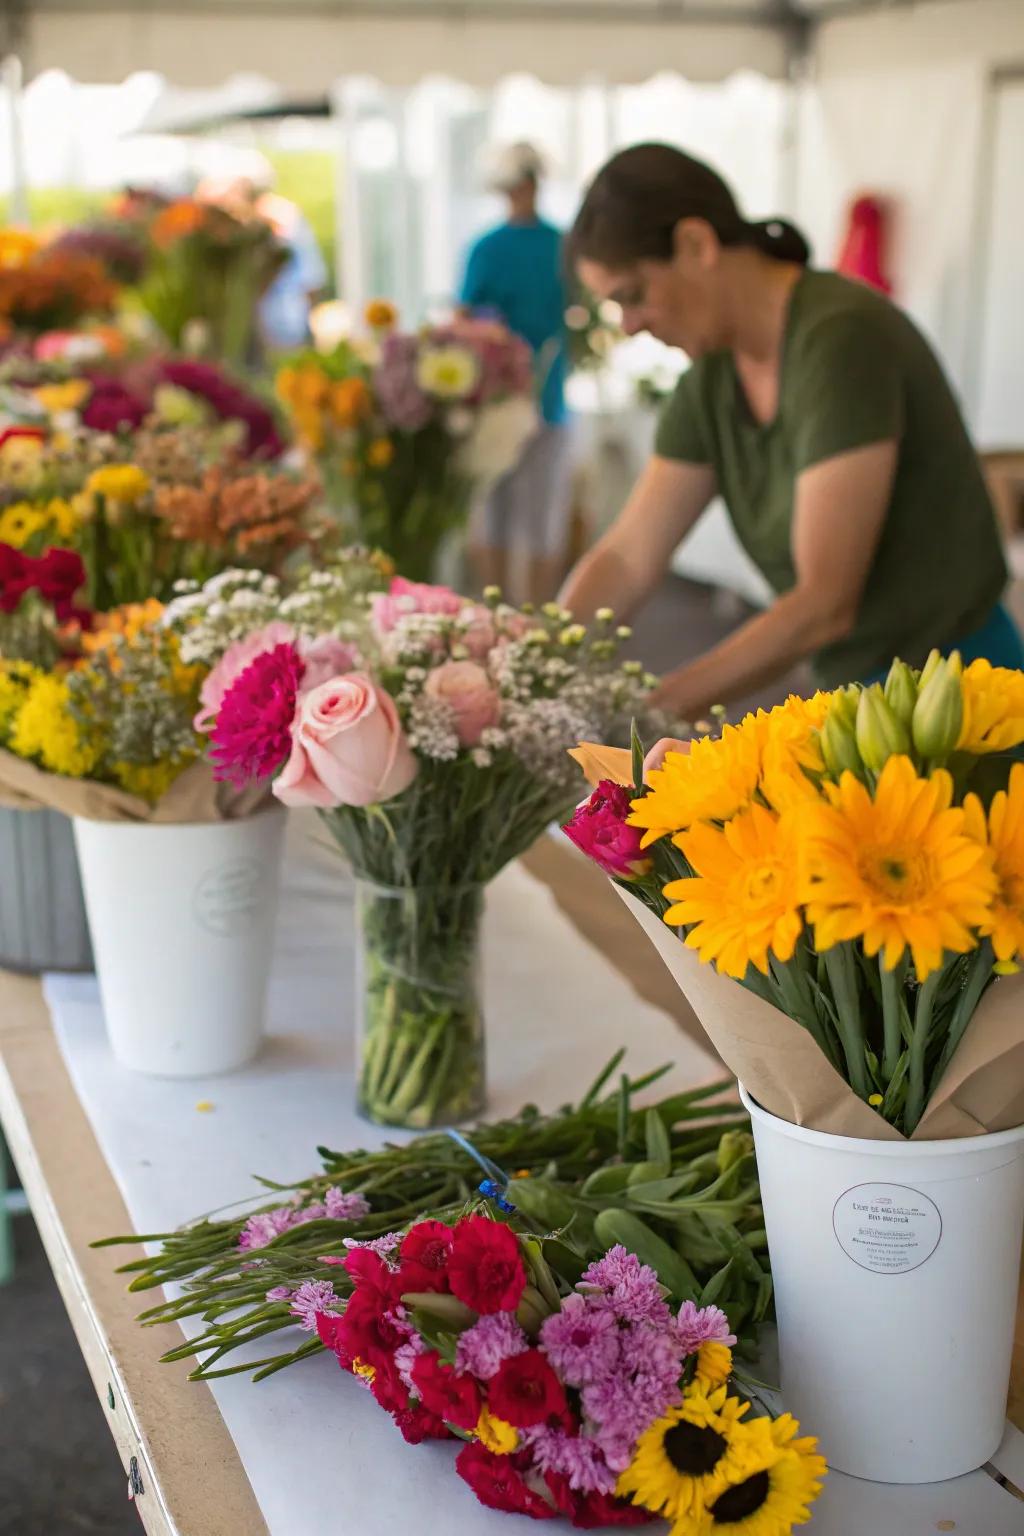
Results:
x,y
506,165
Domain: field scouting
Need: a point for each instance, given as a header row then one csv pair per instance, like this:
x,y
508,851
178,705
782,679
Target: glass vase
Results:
x,y
420,1043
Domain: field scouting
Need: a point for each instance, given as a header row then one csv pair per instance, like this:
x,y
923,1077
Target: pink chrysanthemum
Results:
x,y
279,1293
406,1356
582,1342
630,1288
483,1349
621,1409
252,737
312,1296
383,1247
342,1207
577,1458
695,1326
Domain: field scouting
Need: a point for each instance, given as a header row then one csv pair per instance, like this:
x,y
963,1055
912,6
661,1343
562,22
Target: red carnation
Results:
x,y
367,1333
418,1425
17,576
388,1387
373,1278
526,1390
328,1327
58,575
497,1483
593,1511
486,1269
454,1398
425,1251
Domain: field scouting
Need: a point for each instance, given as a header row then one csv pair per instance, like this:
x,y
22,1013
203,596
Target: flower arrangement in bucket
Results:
x,y
435,756
407,427
845,874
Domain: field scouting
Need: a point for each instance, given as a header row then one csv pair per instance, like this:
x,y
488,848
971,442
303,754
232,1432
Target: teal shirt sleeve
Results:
x,y
846,390
682,430
476,281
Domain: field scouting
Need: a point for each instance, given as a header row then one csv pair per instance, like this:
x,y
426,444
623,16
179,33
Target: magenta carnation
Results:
x,y
252,737
598,828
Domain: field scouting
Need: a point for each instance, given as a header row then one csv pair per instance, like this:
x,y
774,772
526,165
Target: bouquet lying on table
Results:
x,y
435,756
855,860
588,1372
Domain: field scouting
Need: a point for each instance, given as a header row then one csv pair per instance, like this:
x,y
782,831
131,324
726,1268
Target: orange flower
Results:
x,y
128,620
380,315
176,221
348,401
380,453
17,247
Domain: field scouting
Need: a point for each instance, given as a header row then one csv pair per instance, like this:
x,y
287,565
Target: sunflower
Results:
x,y
744,897
714,1365
697,1449
993,708
898,871
710,782
1004,835
773,1498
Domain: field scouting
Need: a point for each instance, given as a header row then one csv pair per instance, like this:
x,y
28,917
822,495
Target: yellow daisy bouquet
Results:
x,y
855,861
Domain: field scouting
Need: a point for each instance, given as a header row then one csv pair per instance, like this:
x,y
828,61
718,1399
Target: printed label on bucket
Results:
x,y
229,897
887,1228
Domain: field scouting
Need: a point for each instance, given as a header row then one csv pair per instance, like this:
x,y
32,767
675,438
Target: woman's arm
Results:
x,y
627,562
840,509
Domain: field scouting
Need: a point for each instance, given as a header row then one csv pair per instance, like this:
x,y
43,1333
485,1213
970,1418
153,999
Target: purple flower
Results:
x,y
622,1409
383,1247
262,1228
312,1296
111,407
229,401
581,1341
404,404
695,1326
629,1288
577,1458
491,1341
279,1293
342,1207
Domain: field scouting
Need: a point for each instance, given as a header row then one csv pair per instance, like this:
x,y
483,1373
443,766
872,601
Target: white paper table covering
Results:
x,y
321,1456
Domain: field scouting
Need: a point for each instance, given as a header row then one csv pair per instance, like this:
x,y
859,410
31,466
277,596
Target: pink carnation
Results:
x,y
406,597
598,828
695,1326
252,737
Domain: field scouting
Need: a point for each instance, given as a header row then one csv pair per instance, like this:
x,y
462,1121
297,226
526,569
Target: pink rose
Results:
x,y
406,597
478,635
598,828
466,689
234,661
348,747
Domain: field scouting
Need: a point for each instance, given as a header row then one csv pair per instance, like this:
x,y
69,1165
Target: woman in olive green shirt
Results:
x,y
822,417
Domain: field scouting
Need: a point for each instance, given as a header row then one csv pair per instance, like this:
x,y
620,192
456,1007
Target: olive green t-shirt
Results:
x,y
854,371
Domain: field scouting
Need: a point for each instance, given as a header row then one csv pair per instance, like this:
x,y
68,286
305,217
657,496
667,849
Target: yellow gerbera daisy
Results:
x,y
790,750
696,1449
775,1497
993,708
744,898
898,871
21,522
710,782
1004,835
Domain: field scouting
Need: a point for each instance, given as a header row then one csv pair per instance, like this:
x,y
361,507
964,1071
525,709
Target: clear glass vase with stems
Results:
x,y
420,1041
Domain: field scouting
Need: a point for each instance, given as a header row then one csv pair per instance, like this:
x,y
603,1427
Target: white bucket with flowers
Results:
x,y
850,870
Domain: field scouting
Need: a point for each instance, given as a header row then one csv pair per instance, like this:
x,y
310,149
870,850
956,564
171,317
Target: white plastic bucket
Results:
x,y
896,1269
182,924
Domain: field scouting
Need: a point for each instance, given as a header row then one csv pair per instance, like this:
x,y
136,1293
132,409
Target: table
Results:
x,y
188,1471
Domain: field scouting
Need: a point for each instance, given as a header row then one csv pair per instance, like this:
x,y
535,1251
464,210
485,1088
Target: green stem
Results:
x,y
840,966
982,962
919,1050
892,998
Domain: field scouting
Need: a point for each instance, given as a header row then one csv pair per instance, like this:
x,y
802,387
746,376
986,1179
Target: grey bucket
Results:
x,y
42,913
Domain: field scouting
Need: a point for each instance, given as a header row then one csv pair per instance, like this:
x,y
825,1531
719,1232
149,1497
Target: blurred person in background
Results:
x,y
819,413
514,273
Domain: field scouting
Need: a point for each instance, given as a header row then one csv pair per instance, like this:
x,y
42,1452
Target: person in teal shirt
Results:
x,y
515,273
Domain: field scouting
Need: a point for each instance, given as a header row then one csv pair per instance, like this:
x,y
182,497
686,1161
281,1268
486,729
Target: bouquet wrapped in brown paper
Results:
x,y
837,886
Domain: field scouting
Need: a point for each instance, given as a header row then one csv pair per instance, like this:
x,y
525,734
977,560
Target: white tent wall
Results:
x,y
901,103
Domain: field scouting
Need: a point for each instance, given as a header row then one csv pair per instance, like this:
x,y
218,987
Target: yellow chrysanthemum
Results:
x,y
1004,835
696,1449
773,1498
993,708
897,871
496,1435
149,780
21,522
743,899
45,730
710,782
714,1365
125,622
55,399
449,373
119,482
16,677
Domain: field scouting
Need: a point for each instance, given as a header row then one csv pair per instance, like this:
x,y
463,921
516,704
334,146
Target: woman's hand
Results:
x,y
656,756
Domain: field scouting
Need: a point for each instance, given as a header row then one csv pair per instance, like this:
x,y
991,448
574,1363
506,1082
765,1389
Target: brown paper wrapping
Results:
x,y
195,796
781,1067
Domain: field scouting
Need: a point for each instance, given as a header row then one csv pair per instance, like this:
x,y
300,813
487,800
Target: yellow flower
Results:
x,y
993,708
45,729
16,677
21,461
449,373
697,1448
20,523
63,517
17,247
495,1435
119,482
744,897
380,453
898,871
709,782
1004,835
791,760
360,1368
149,780
772,1498
380,315
714,1365
55,399
127,621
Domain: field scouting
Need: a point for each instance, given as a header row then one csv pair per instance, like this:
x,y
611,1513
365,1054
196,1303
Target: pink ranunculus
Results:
x,y
465,687
234,662
598,828
479,635
348,747
326,657
406,597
